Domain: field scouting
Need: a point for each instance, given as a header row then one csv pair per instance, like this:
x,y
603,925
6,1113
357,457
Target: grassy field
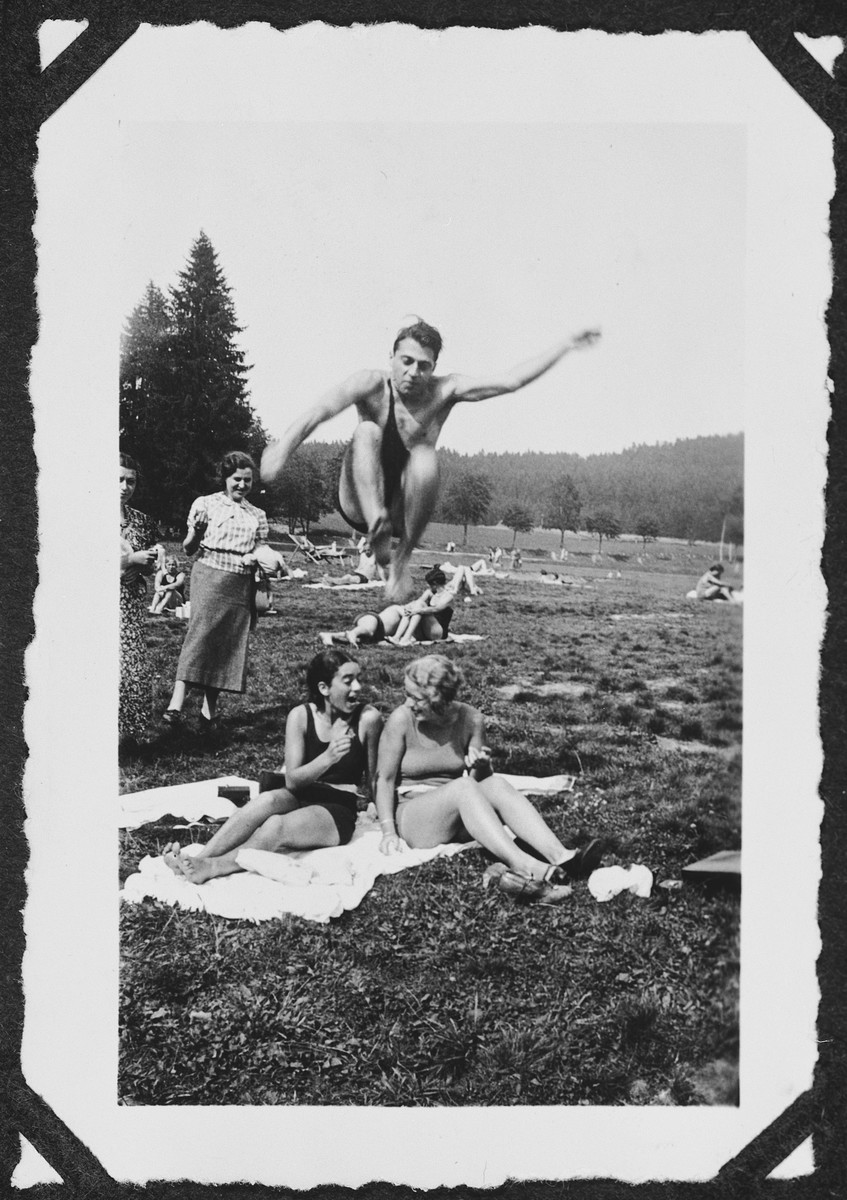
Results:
x,y
435,991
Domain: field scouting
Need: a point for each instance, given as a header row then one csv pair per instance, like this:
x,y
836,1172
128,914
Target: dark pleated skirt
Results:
x,y
214,653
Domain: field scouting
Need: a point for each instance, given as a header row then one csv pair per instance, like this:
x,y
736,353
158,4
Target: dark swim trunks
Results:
x,y
341,807
379,632
393,459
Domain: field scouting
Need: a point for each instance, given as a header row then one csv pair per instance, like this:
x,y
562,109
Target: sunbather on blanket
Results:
x,y
426,619
330,745
366,571
435,784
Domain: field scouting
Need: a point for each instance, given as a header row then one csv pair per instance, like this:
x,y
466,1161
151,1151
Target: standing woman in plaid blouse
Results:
x,y
226,529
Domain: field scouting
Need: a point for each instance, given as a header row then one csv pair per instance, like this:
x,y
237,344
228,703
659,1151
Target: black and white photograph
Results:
x,y
471,435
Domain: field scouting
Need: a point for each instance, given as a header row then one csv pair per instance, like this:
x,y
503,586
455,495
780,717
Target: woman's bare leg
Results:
x,y
305,829
210,702
524,819
245,821
441,816
178,697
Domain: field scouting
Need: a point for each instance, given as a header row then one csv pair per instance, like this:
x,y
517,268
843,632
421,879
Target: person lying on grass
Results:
x,y
434,746
366,571
330,745
425,619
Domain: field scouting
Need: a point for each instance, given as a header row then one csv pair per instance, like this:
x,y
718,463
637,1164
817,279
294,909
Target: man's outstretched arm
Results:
x,y
351,391
466,388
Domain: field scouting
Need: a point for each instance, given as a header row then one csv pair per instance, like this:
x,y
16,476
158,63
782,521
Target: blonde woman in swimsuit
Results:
x,y
435,784
389,476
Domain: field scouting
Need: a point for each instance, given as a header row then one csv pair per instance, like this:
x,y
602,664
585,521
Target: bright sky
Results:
x,y
505,236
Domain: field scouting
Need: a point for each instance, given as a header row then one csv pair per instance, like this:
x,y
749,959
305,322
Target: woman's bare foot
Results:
x,y
198,870
173,857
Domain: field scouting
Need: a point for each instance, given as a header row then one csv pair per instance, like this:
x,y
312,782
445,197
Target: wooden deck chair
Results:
x,y
330,552
303,546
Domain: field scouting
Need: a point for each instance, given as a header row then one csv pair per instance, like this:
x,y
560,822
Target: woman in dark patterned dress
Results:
x,y
138,558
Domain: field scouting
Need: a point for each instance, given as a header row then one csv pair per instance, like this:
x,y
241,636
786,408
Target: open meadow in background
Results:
x,y
435,991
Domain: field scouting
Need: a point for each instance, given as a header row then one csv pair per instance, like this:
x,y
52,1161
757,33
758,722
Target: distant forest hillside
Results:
x,y
687,488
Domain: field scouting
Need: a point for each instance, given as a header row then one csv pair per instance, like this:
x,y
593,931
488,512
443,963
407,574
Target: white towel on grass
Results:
x,y
315,884
191,801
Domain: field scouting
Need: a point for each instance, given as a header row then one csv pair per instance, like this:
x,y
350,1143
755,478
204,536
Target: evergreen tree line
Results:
x,y
692,488
184,402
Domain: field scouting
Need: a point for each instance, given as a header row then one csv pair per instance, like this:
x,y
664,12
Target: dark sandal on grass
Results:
x,y
172,717
585,861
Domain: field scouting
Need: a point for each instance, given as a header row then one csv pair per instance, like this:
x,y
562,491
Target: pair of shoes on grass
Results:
x,y
523,888
556,884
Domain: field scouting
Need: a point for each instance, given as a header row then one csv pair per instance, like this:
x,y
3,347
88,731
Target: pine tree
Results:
x,y
212,414
183,399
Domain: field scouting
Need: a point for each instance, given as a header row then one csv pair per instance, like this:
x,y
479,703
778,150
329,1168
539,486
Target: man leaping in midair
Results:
x,y
389,477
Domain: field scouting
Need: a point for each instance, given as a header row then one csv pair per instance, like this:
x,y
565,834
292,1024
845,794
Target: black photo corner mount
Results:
x,y
29,97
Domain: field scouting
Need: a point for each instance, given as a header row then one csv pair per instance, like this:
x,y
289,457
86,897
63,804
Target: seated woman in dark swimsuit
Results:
x,y
330,745
435,785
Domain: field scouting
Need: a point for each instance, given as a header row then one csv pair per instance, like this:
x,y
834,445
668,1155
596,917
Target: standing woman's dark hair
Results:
x,y
236,460
138,553
323,669
226,530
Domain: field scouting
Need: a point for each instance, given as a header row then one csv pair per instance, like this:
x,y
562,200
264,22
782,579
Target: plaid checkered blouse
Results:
x,y
232,529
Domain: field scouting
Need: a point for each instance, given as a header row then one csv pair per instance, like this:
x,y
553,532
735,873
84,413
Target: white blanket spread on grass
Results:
x,y
315,884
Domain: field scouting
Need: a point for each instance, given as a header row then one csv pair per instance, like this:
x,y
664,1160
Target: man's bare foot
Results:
x,y
327,638
400,585
379,536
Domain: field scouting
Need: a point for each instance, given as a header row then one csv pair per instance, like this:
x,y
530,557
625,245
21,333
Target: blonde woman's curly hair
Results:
x,y
437,677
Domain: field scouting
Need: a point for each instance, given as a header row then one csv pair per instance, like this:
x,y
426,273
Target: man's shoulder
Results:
x,y
367,382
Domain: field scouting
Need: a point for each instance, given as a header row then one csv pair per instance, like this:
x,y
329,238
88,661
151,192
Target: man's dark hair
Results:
x,y
425,335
